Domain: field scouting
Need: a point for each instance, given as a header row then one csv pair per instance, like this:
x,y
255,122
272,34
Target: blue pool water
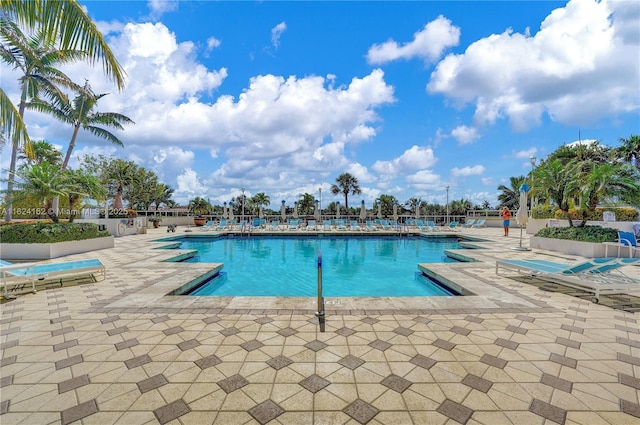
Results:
x,y
351,266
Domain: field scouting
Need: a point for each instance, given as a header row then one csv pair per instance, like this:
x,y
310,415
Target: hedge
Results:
x,y
50,232
549,211
595,234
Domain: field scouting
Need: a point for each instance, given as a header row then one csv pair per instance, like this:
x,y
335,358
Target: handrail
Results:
x,y
320,312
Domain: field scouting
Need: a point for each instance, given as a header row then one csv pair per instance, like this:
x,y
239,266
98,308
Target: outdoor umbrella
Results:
x,y
295,209
230,211
522,217
316,212
395,211
260,213
417,211
379,209
363,211
283,211
224,211
337,209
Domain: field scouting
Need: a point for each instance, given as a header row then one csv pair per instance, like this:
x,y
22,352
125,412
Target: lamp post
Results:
x,y
243,203
532,159
447,187
320,196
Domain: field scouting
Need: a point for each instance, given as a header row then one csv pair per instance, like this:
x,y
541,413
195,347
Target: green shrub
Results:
x,y
625,214
584,234
50,232
543,211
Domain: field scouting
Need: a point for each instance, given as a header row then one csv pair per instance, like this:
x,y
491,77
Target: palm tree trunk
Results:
x,y
14,158
72,144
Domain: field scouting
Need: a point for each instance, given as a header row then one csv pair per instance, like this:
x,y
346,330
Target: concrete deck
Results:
x,y
121,351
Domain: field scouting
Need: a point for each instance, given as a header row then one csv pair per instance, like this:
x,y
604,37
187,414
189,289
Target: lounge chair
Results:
x,y
21,278
341,224
432,225
326,226
222,225
421,226
469,223
207,226
353,225
293,224
275,225
599,275
479,223
452,227
625,240
371,226
311,225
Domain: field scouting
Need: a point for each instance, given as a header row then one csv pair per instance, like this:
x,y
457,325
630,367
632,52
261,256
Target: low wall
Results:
x,y
45,251
583,249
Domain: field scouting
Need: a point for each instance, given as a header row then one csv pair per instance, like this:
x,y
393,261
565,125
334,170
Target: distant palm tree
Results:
x,y
346,184
258,199
510,196
43,151
199,205
629,151
306,203
83,184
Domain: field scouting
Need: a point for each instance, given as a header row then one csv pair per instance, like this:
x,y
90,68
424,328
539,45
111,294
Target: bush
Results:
x,y
50,232
543,211
584,234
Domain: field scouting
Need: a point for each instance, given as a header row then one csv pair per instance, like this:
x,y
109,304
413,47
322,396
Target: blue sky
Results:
x,y
282,97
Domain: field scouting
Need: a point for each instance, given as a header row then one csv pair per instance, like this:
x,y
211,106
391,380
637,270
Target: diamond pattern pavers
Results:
x,y
351,362
266,411
252,345
152,383
287,332
361,411
548,411
171,411
232,383
230,331
78,412
345,332
396,383
279,362
455,411
315,345
380,345
314,383
207,362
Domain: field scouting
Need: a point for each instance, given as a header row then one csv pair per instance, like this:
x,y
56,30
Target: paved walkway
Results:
x,y
121,352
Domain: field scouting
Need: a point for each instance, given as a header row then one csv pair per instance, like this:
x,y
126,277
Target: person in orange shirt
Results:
x,y
506,217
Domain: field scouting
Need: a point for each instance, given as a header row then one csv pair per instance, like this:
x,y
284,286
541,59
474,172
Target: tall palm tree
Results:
x,y
346,184
122,174
163,195
37,64
386,204
555,178
510,196
258,199
80,113
63,23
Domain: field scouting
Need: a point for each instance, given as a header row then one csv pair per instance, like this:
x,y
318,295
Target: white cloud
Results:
x,y
212,43
475,170
360,172
488,181
581,66
189,186
425,180
465,135
428,44
160,7
414,158
276,32
525,153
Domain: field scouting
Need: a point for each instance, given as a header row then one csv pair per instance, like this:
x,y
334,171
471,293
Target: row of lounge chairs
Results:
x,y
328,225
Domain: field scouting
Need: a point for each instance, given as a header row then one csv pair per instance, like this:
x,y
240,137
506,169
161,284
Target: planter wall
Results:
x,y
45,251
583,249
536,224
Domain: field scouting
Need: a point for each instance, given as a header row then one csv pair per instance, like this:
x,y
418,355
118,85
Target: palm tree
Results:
x,y
37,63
79,113
163,195
346,184
629,151
258,199
43,151
510,196
386,204
83,184
43,181
306,203
63,23
122,174
199,205
555,178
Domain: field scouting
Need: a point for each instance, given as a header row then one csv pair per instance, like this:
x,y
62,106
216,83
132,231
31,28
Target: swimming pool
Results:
x,y
352,266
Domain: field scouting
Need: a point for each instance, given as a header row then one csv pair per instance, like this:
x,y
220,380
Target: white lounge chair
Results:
x,y
311,225
479,223
600,275
21,278
469,223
